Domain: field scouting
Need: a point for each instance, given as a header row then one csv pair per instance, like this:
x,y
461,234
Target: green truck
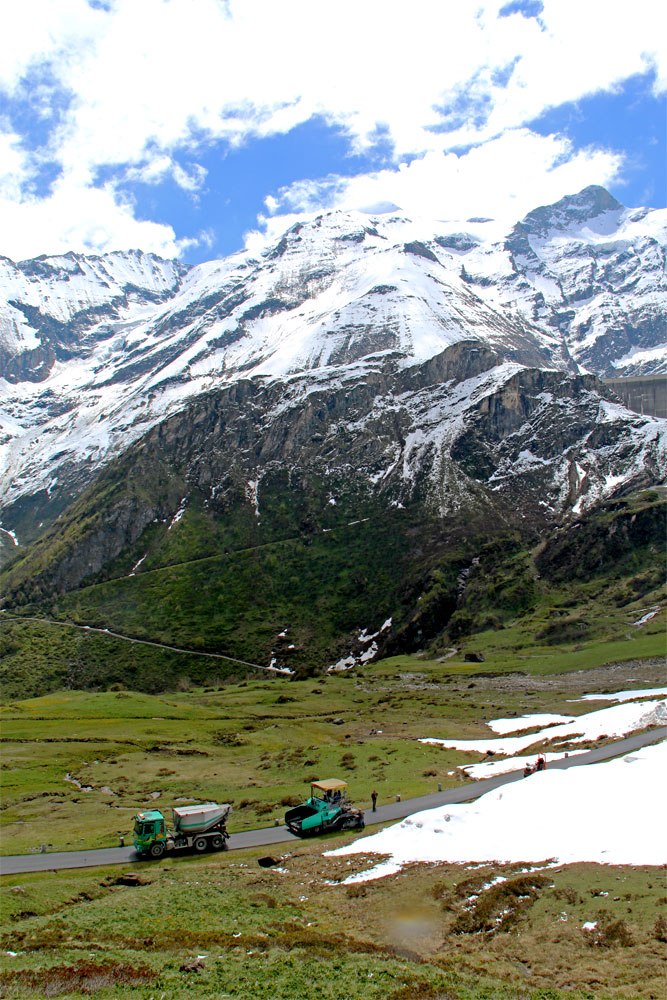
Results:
x,y
200,828
326,811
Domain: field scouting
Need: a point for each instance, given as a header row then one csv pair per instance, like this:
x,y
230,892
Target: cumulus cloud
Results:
x,y
502,179
141,83
87,219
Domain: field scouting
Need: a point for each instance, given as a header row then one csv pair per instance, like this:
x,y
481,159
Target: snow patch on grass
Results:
x,y
609,813
617,721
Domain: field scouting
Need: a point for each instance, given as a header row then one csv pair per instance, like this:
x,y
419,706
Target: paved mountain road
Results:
x,y
145,642
20,863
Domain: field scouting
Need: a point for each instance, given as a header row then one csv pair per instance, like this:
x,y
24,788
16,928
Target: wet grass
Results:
x,y
222,926
226,927
242,744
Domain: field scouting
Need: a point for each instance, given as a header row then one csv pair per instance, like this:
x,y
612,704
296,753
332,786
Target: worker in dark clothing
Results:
x,y
527,771
541,764
374,798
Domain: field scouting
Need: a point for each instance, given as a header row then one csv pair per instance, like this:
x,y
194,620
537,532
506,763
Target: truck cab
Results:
x,y
150,833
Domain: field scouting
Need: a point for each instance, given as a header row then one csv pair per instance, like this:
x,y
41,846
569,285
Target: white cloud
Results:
x,y
159,73
145,80
86,219
502,179
162,166
35,32
13,166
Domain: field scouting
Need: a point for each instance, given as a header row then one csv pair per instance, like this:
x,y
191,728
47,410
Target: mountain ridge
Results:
x,y
363,371
95,361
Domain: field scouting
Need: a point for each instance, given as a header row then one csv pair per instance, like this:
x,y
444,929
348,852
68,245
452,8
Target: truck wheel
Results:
x,y
200,844
157,850
217,843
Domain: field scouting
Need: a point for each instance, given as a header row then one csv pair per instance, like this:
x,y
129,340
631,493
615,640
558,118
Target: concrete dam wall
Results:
x,y
642,393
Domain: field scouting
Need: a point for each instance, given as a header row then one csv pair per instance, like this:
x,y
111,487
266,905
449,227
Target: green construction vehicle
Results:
x,y
326,811
197,827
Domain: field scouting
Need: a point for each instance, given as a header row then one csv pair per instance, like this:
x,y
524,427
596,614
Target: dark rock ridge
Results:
x,y
460,437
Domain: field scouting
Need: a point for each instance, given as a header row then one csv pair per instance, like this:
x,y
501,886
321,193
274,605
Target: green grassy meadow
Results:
x,y
78,764
253,743
100,756
194,928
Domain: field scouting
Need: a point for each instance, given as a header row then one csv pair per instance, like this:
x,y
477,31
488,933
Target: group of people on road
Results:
x,y
540,765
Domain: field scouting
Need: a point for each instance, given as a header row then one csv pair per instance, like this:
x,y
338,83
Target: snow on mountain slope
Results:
x,y
597,272
37,297
94,351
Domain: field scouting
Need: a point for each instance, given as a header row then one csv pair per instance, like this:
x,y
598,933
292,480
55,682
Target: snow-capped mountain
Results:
x,y
49,305
96,351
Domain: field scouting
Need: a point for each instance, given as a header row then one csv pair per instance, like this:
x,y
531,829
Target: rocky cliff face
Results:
x,y
461,437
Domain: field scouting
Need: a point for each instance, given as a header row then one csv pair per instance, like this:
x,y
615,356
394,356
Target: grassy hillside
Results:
x,y
196,929
36,656
302,601
605,560
230,584
323,591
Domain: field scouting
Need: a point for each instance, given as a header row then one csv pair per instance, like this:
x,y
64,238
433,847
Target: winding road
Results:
x,y
20,863
144,642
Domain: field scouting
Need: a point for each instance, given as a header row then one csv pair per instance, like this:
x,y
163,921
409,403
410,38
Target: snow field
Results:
x,y
607,813
616,721
627,695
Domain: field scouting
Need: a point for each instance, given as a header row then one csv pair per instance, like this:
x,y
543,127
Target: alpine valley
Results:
x,y
377,436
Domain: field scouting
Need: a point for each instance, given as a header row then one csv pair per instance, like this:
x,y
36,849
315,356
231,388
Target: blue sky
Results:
x,y
239,179
193,129
631,120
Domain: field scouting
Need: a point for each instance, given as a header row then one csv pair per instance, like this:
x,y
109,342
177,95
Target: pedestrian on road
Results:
x,y
374,798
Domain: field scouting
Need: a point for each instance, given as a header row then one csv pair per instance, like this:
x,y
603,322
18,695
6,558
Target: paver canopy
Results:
x,y
329,785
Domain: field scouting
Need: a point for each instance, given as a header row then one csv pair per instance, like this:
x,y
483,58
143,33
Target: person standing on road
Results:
x,y
374,798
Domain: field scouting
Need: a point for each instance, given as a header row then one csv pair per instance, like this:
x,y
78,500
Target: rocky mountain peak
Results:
x,y
570,210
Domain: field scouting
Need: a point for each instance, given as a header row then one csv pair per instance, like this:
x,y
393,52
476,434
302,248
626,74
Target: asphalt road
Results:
x,y
19,863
